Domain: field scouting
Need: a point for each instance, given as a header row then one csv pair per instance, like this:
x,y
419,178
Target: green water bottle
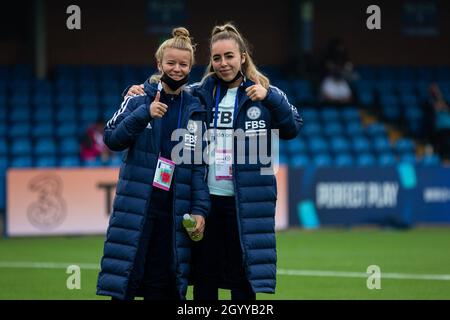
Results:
x,y
189,224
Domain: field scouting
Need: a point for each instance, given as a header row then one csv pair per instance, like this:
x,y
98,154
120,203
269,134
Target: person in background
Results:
x,y
441,123
92,145
335,90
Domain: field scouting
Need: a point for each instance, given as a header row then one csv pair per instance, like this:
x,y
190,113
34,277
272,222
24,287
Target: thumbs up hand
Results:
x,y
157,109
256,92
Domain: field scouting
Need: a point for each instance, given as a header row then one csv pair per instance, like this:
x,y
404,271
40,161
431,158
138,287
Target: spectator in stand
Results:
x,y
441,123
335,90
337,74
336,59
92,145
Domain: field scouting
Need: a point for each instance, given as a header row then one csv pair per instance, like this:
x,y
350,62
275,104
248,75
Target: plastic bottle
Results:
x,y
189,224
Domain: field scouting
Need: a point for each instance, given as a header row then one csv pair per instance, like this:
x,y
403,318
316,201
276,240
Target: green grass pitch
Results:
x,y
319,264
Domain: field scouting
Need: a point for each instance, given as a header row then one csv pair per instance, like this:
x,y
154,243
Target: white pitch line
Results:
x,y
284,272
46,265
345,274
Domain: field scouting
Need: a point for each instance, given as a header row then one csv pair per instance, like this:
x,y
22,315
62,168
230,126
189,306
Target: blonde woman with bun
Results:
x,y
147,250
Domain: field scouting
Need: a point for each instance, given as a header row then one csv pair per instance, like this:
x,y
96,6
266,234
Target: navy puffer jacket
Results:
x,y
132,129
255,193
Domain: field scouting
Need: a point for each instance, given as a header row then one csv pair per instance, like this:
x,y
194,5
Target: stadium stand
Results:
x,y
41,122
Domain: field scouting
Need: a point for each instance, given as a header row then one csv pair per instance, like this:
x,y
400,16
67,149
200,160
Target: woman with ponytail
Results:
x,y
147,250
238,251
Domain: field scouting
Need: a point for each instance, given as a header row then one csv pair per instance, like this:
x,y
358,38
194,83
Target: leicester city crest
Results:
x,y
254,113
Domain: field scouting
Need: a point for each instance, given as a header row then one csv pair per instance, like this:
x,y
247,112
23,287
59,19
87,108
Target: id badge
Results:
x,y
164,173
223,164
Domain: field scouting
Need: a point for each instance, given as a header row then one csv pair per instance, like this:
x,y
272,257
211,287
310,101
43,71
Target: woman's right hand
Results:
x,y
157,109
136,90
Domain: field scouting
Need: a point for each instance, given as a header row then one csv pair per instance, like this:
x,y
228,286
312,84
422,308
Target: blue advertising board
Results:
x,y
398,196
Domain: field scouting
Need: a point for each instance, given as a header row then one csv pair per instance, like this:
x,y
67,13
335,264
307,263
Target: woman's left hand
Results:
x,y
200,225
256,92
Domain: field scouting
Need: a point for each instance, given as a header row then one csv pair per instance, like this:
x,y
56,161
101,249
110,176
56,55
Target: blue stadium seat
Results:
x,y
3,113
408,157
404,145
367,72
65,86
2,129
329,114
385,87
391,110
93,163
283,159
354,128
408,100
42,99
381,144
424,74
350,114
22,162
376,129
414,119
108,113
42,129
3,147
116,161
66,99
300,160
309,114
317,145
366,97
386,159
339,144
67,129
45,147
442,73
322,160
285,86
302,91
66,114
312,128
20,114
21,147
43,113
360,144
3,163
89,101
46,162
332,129
70,161
111,101
296,146
20,99
69,146
430,160
89,114
365,160
344,160
406,73
386,73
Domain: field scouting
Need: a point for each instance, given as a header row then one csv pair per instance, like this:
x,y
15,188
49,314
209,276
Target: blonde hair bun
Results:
x,y
180,32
